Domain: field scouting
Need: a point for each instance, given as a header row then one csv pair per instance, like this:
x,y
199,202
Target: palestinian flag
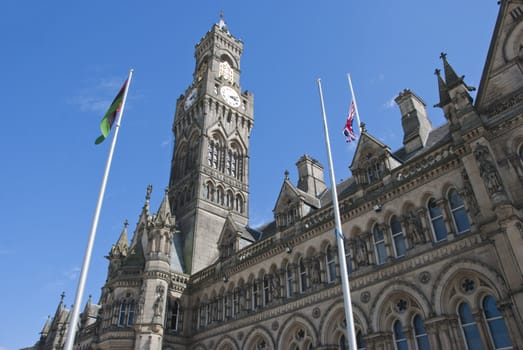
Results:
x,y
110,115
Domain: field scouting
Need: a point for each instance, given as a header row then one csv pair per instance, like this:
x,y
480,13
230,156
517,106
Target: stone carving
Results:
x,y
315,267
158,304
414,229
487,170
360,248
424,277
468,194
365,297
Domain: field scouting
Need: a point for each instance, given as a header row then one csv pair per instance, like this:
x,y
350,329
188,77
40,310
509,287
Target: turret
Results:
x,y
311,179
416,124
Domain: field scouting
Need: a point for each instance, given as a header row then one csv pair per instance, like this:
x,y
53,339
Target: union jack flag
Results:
x,y
348,130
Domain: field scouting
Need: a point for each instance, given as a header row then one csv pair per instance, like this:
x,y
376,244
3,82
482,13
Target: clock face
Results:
x,y
230,96
191,97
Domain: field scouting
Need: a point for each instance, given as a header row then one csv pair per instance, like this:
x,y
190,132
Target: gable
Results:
x,y
503,71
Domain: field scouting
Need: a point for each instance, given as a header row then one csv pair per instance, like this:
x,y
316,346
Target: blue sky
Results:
x,y
63,62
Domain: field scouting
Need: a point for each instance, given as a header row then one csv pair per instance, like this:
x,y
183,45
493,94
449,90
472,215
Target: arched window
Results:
x,y
303,276
379,244
360,343
397,237
436,219
400,340
229,200
239,204
330,258
220,195
469,327
290,280
459,214
422,340
496,324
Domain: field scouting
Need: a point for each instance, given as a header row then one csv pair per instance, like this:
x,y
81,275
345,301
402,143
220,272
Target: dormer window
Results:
x,y
375,171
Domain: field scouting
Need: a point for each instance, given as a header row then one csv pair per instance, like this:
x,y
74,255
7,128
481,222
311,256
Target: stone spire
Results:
x,y
121,246
452,82
163,217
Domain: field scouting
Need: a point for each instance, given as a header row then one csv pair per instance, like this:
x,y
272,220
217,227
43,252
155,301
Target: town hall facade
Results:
x,y
433,230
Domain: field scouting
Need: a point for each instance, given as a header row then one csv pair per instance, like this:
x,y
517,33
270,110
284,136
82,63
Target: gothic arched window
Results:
x,y
342,343
459,215
422,339
469,327
379,244
496,324
436,219
330,259
397,237
400,340
225,307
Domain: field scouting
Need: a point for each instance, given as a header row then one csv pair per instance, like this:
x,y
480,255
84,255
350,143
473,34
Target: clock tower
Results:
x,y
209,179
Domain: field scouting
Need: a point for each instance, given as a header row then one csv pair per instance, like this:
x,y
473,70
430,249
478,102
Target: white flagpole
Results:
x,y
354,101
71,329
351,334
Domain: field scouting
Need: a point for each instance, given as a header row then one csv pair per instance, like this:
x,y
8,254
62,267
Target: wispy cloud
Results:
x,y
72,273
165,143
390,103
98,96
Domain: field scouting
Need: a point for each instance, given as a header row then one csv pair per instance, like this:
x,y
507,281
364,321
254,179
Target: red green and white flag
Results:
x,y
110,115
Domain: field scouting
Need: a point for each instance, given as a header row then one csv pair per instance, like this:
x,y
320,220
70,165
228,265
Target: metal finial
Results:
x,y
443,56
62,296
286,174
437,72
126,223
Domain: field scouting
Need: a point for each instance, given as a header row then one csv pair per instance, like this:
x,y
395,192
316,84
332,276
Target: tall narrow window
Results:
x,y
459,214
469,328
225,307
422,340
496,324
399,337
397,237
121,318
342,343
290,280
303,276
174,315
436,219
331,264
379,245
360,343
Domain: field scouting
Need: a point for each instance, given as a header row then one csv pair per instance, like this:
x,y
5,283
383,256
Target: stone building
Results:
x,y
434,230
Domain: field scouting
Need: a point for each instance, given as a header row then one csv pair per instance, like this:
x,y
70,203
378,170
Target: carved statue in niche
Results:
x,y
414,230
468,194
158,304
360,251
315,267
487,170
275,286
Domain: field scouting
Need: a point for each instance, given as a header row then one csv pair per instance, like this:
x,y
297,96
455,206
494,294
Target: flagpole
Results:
x,y
354,101
351,334
71,329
